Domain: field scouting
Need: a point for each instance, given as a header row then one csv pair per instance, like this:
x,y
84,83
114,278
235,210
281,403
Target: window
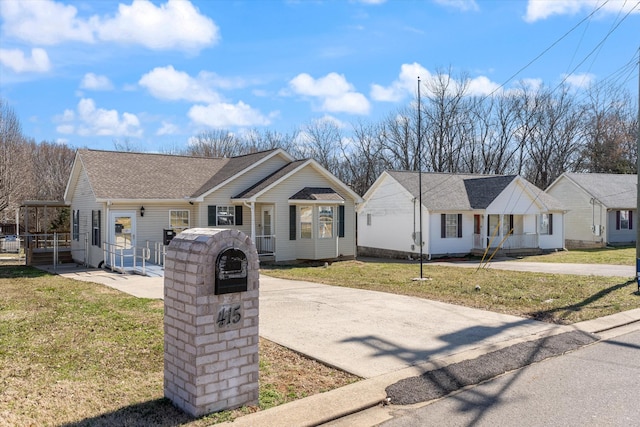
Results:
x,y
306,221
325,222
224,215
95,228
624,220
179,219
546,224
450,226
76,225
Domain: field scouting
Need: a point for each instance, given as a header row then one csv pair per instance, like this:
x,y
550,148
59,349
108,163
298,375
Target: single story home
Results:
x,y
602,208
127,204
461,214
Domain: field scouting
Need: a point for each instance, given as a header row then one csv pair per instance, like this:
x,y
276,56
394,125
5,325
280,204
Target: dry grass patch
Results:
x,y
78,353
609,255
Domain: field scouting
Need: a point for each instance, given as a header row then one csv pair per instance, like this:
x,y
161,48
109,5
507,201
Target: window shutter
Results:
x,y
292,222
341,221
239,215
617,220
630,220
211,216
550,224
510,222
443,225
459,225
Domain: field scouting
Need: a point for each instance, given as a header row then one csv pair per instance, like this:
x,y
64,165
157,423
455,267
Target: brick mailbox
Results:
x,y
211,321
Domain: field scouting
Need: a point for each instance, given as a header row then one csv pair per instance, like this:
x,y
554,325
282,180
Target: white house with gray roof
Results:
x,y
461,214
602,208
129,205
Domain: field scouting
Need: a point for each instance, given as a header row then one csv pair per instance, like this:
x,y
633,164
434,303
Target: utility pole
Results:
x,y
638,181
420,175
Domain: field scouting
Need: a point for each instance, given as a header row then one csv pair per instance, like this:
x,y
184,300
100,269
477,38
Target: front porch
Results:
x,y
506,235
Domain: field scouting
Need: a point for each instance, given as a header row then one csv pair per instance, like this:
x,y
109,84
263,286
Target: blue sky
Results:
x,y
156,73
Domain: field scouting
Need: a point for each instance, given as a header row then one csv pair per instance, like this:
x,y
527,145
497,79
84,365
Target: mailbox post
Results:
x,y
211,321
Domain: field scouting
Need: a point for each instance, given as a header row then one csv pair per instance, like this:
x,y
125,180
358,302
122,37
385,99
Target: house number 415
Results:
x,y
229,315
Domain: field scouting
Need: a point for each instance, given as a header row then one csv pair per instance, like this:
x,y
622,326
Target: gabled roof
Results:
x,y
117,175
612,190
317,193
270,180
463,192
288,170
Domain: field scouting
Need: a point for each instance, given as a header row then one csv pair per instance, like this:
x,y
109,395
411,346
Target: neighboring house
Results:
x,y
129,203
462,214
602,208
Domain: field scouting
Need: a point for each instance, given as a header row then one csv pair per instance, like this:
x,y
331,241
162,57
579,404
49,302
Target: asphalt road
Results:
x,y
597,385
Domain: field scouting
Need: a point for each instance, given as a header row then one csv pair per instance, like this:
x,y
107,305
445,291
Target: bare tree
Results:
x,y
321,141
610,145
13,158
446,115
215,143
399,140
363,159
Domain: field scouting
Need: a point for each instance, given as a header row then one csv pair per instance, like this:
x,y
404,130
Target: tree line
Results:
x,y
537,132
534,131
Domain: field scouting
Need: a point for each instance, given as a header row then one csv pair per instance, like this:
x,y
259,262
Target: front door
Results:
x,y
268,239
122,231
494,235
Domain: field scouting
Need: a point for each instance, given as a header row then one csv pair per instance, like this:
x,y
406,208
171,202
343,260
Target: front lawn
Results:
x,y
615,256
548,297
82,353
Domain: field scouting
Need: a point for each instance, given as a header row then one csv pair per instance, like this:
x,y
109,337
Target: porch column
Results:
x,y
253,221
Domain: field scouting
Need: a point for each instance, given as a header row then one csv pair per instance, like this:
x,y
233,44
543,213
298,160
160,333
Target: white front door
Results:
x,y
122,230
267,241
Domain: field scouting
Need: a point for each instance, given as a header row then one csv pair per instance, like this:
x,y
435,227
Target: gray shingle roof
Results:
x,y
317,193
463,192
613,190
258,187
127,175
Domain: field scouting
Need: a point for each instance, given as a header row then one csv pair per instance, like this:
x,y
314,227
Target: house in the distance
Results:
x,y
602,208
128,204
461,214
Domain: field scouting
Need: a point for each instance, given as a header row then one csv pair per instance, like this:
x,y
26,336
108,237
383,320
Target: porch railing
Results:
x,y
514,241
265,245
125,258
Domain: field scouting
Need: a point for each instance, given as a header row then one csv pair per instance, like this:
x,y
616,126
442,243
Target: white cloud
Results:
x,y
335,93
18,62
580,81
481,86
93,81
176,24
406,84
168,83
462,5
44,22
223,115
543,9
167,129
92,121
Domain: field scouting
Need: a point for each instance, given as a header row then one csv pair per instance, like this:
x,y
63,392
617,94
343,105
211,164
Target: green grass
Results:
x,y
552,298
615,256
78,352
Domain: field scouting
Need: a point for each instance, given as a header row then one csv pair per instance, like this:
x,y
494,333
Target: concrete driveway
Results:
x,y
372,333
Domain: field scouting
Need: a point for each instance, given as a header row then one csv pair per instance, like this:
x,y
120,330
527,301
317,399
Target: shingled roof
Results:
x,y
615,191
462,192
126,175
